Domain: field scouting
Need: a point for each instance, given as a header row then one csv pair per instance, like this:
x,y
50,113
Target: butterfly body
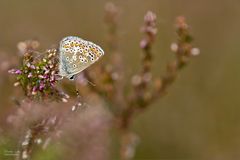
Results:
x,y
76,55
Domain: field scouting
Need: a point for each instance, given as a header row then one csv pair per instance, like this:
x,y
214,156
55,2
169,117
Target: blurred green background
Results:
x,y
199,118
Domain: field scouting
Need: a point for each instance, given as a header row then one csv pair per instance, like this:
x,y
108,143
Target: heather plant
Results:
x,y
38,75
83,120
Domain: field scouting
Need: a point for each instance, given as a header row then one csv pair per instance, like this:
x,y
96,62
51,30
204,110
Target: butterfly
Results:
x,y
76,54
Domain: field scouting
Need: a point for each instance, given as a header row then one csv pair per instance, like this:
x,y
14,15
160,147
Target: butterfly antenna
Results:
x,y
91,83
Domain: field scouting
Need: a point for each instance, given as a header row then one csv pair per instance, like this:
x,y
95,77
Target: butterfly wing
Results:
x,y
76,55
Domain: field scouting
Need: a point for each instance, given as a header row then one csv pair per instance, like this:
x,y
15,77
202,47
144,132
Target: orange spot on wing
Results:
x,y
95,52
80,45
76,44
66,46
84,53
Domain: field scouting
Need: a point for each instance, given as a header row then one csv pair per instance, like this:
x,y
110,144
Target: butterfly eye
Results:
x,y
67,58
72,77
74,65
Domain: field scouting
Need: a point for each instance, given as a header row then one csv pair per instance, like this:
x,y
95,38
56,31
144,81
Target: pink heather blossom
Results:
x,y
34,89
15,71
18,71
41,87
32,67
143,43
12,71
30,75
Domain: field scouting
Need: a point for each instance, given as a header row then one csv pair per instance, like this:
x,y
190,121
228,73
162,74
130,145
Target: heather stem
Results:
x,y
39,129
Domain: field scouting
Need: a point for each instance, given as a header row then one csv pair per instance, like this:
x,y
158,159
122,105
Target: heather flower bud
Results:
x,y
64,100
16,84
174,47
195,51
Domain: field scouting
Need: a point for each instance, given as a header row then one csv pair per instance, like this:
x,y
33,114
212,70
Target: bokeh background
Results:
x,y
199,118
